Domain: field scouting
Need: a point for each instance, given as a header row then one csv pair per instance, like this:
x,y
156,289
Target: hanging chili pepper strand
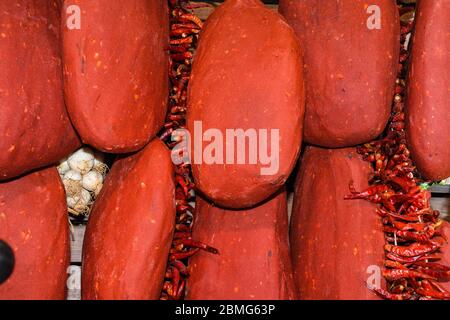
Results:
x,y
412,229
184,30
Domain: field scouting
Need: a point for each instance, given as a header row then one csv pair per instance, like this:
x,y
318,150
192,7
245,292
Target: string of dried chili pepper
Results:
x,y
184,26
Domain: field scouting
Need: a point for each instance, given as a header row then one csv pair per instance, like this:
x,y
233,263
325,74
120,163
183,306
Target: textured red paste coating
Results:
x,y
428,101
130,228
334,241
253,260
247,74
33,220
115,68
35,130
350,70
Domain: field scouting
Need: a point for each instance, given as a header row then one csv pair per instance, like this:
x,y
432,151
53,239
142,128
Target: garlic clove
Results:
x,y
71,201
80,202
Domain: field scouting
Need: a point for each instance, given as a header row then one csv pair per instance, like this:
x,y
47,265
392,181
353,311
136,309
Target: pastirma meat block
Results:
x,y
33,220
247,75
428,101
350,58
130,228
253,260
336,244
35,130
115,70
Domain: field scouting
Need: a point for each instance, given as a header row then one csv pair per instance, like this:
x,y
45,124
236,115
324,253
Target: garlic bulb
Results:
x,y
82,160
72,183
82,174
80,202
92,180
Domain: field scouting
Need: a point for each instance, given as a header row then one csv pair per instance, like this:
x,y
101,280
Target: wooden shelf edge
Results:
x,y
440,189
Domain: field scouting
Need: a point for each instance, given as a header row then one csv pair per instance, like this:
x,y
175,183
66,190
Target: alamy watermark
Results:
x,y
232,146
374,20
73,21
374,278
